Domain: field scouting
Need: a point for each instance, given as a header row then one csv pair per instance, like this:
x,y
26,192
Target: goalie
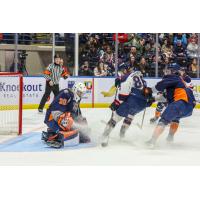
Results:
x,y
64,119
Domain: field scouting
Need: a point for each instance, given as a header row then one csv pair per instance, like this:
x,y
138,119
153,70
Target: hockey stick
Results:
x,y
143,118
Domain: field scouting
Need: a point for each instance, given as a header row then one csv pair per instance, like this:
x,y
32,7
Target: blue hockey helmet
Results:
x,y
172,68
123,66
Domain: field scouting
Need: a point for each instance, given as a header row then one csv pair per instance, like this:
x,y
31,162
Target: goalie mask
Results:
x,y
79,90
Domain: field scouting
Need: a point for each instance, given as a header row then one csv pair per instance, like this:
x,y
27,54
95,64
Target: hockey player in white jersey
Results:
x,y
132,97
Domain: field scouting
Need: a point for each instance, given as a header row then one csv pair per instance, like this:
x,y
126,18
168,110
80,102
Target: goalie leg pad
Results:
x,y
56,141
48,134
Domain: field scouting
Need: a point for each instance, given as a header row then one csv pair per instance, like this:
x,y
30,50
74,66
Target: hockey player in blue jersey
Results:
x,y
132,97
63,116
180,100
161,105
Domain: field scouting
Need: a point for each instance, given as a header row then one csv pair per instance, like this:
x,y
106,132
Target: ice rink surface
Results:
x,y
131,151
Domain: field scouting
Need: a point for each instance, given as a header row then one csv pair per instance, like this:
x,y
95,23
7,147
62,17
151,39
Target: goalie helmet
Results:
x,y
79,90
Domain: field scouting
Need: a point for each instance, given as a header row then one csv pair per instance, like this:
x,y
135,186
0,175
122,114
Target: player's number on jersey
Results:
x,y
138,83
63,101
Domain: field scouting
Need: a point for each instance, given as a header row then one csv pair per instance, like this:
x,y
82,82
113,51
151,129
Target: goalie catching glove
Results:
x,y
65,121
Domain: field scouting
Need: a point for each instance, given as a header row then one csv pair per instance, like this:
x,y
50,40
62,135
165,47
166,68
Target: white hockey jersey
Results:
x,y
128,82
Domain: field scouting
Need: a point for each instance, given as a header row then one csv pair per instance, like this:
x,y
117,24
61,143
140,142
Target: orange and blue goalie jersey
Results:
x,y
63,102
176,89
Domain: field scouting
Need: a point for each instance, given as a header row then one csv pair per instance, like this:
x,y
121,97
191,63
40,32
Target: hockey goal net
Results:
x,y
11,92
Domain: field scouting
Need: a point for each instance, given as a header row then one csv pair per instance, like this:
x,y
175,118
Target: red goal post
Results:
x,y
11,101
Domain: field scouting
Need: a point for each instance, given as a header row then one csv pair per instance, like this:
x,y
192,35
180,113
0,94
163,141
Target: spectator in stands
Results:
x,y
143,66
141,47
108,56
152,66
132,40
180,53
192,48
93,55
132,62
150,50
99,70
167,49
106,70
133,52
193,68
193,36
1,37
85,70
180,37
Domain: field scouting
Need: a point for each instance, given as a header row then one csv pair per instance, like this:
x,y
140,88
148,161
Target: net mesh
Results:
x,y
9,104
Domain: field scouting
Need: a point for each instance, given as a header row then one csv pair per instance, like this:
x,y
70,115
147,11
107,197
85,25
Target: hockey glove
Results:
x,y
150,100
114,105
147,92
117,82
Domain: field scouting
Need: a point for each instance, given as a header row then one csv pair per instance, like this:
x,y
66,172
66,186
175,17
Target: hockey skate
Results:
x,y
40,111
109,127
55,144
170,138
105,139
122,132
151,144
44,136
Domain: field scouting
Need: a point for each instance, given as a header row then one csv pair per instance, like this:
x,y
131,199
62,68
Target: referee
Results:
x,y
52,74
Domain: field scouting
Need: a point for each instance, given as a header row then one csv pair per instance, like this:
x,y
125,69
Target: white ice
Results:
x,y
130,151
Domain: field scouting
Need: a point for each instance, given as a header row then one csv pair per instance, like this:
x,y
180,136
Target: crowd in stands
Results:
x,y
138,50
97,53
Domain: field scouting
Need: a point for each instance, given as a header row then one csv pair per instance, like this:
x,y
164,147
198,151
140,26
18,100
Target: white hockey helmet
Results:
x,y
79,89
